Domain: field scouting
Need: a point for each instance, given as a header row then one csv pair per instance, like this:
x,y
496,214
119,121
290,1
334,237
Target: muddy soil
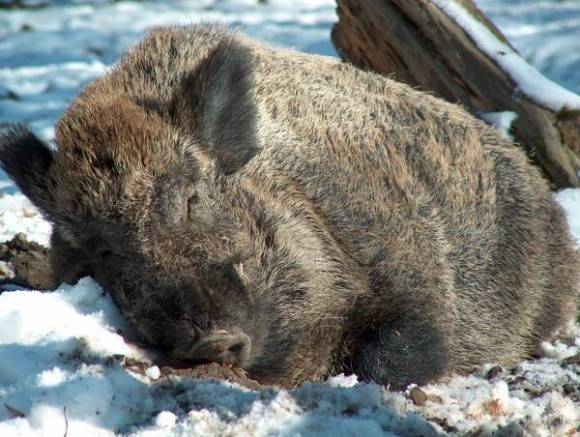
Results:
x,y
29,262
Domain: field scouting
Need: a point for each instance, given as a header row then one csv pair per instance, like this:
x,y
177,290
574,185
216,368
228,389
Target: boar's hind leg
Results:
x,y
401,354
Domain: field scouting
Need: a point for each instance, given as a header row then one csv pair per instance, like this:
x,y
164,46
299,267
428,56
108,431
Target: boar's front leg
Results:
x,y
411,350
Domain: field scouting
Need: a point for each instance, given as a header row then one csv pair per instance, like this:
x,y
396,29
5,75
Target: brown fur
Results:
x,y
327,219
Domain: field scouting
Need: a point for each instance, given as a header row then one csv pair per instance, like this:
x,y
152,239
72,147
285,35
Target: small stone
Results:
x,y
435,398
114,360
20,240
4,252
132,362
443,423
28,213
516,369
5,270
536,392
569,388
516,380
418,396
494,371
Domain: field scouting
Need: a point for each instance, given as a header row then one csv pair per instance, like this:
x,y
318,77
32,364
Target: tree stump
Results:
x,y
417,43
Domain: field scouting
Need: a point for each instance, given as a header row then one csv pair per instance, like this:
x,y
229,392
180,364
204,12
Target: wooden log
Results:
x,y
417,43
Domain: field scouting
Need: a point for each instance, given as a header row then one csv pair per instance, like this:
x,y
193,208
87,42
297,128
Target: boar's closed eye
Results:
x,y
192,202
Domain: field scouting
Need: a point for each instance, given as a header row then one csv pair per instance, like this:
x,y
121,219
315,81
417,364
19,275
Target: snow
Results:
x,y
529,80
46,370
501,120
61,356
63,359
153,372
165,419
17,214
570,201
62,48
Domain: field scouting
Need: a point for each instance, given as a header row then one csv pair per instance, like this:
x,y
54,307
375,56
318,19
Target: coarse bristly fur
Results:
x,y
295,216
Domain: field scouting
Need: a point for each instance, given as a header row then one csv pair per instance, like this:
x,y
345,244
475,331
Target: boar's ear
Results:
x,y
216,103
27,160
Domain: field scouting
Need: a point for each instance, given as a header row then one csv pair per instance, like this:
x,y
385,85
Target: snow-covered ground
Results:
x,y
47,54
61,365
61,368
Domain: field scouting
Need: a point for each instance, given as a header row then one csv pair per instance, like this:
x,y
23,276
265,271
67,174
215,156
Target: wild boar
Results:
x,y
292,215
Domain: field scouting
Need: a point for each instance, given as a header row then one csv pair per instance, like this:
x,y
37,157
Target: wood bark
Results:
x,y
415,42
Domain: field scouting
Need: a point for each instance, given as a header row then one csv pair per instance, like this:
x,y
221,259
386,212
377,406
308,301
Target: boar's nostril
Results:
x,y
221,347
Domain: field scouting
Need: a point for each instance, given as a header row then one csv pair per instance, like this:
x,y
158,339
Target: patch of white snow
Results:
x,y
503,121
153,372
569,199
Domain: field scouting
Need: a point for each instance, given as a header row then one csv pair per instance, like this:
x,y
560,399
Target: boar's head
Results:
x,y
144,197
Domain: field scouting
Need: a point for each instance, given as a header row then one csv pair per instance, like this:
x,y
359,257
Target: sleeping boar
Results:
x,y
294,216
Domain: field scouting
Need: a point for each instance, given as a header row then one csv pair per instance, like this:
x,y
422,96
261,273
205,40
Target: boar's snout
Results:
x,y
220,346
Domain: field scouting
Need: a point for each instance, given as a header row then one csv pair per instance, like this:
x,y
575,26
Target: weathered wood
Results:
x,y
415,42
